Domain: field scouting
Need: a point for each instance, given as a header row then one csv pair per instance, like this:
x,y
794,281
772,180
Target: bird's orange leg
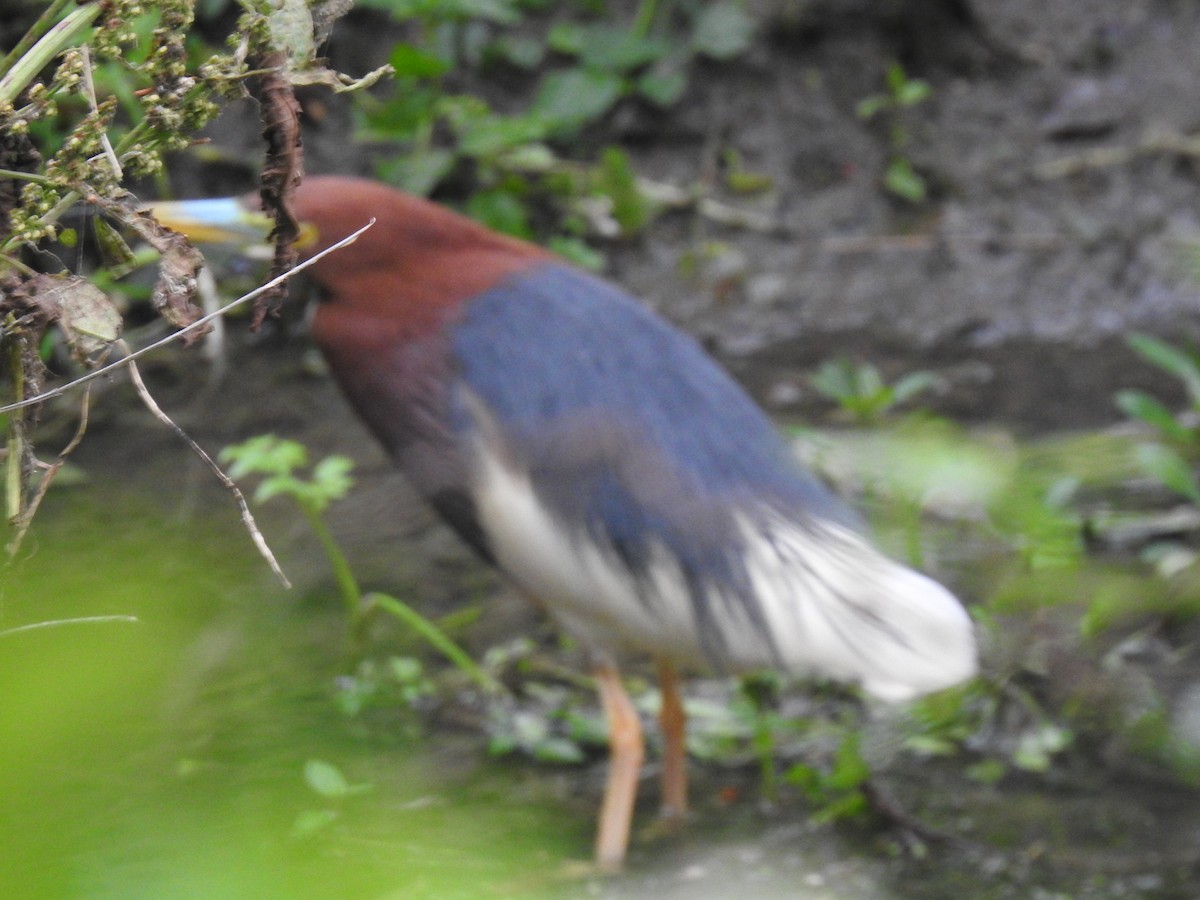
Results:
x,y
627,750
673,721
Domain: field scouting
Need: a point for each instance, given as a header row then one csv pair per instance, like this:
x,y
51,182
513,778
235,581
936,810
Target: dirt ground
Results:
x,y
1063,206
1063,198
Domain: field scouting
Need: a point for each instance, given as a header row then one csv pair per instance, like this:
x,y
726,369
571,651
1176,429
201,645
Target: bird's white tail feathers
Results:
x,y
838,607
816,598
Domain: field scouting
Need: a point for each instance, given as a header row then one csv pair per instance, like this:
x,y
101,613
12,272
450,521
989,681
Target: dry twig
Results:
x,y
148,400
283,168
251,526
187,329
25,519
1153,143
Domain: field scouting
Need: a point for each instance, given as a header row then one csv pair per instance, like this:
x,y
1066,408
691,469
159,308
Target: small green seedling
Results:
x,y
279,460
1171,459
583,67
861,392
326,781
838,788
901,93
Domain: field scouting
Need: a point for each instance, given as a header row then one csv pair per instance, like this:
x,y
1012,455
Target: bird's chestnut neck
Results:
x,y
413,267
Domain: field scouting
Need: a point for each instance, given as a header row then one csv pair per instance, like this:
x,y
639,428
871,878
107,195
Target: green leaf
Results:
x,y
312,821
566,101
615,50
723,30
488,135
903,181
66,33
87,318
418,173
534,157
805,777
586,730
1036,749
913,92
500,11
988,771
1170,469
1139,405
501,210
929,745
567,37
576,251
869,383
835,379
663,84
406,669
326,779
413,62
353,695
332,476
556,749
112,245
502,744
523,52
871,106
436,637
849,768
265,454
618,181
291,27
912,384
404,116
742,181
1181,364
280,486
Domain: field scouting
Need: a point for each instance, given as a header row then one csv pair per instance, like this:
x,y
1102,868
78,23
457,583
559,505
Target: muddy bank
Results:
x,y
1063,207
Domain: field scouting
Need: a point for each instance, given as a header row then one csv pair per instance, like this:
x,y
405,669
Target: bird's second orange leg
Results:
x,y
673,722
627,750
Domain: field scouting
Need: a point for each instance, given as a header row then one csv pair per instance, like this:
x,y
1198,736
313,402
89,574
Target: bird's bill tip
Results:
x,y
222,220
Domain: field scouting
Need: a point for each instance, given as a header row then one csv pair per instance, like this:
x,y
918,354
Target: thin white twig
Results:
x,y
57,623
90,87
214,341
203,320
260,542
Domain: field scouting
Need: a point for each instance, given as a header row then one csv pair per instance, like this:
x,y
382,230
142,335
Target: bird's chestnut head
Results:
x,y
415,262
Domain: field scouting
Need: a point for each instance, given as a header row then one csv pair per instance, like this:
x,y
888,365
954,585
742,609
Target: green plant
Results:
x,y
1171,458
546,728
326,781
581,70
134,61
900,93
1037,517
836,787
861,392
400,679
279,462
121,94
758,701
92,99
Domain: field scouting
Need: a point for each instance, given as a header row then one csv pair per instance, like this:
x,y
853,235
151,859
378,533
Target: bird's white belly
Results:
x,y
586,588
827,602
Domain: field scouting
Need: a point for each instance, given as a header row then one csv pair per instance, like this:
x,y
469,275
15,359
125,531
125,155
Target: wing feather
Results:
x,y
621,477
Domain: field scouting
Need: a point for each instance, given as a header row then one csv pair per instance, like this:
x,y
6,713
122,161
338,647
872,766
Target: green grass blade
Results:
x,y
436,637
